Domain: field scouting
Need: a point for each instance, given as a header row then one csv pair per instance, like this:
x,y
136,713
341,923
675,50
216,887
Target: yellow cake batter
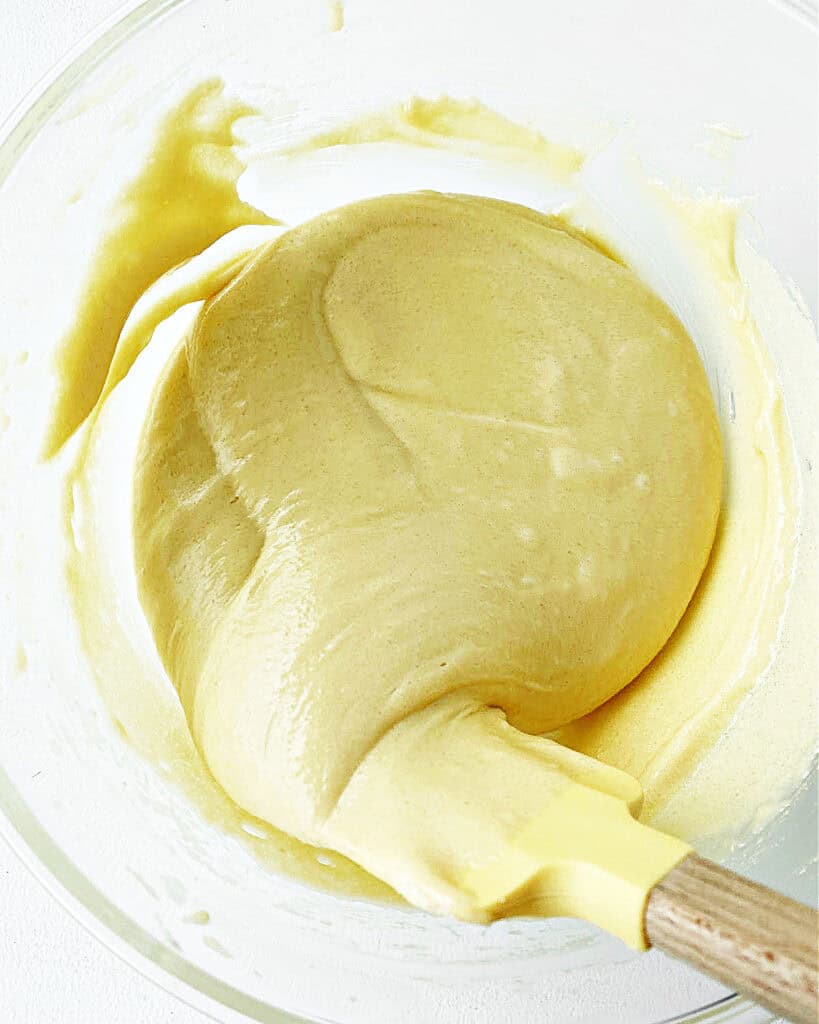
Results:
x,y
422,457
429,476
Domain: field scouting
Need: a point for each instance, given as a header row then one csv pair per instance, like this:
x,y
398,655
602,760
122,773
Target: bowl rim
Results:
x,y
19,827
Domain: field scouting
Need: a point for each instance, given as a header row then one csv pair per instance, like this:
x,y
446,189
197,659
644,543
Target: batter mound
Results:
x,y
433,474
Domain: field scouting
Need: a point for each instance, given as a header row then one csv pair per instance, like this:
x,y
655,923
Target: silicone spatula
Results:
x,y
586,856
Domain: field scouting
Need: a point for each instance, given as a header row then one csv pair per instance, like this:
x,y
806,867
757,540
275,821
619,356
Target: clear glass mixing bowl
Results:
x,y
104,830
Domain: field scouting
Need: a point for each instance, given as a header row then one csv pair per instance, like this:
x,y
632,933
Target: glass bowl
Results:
x,y
103,829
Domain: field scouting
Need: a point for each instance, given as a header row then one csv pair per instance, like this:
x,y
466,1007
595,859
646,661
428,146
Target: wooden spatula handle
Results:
x,y
763,944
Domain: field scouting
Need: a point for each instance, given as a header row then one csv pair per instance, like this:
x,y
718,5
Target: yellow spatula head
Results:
x,y
467,816
584,856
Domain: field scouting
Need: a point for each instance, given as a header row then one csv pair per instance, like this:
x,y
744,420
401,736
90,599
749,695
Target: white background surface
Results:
x,y
51,970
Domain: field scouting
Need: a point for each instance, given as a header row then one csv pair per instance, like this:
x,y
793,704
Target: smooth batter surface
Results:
x,y
424,456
